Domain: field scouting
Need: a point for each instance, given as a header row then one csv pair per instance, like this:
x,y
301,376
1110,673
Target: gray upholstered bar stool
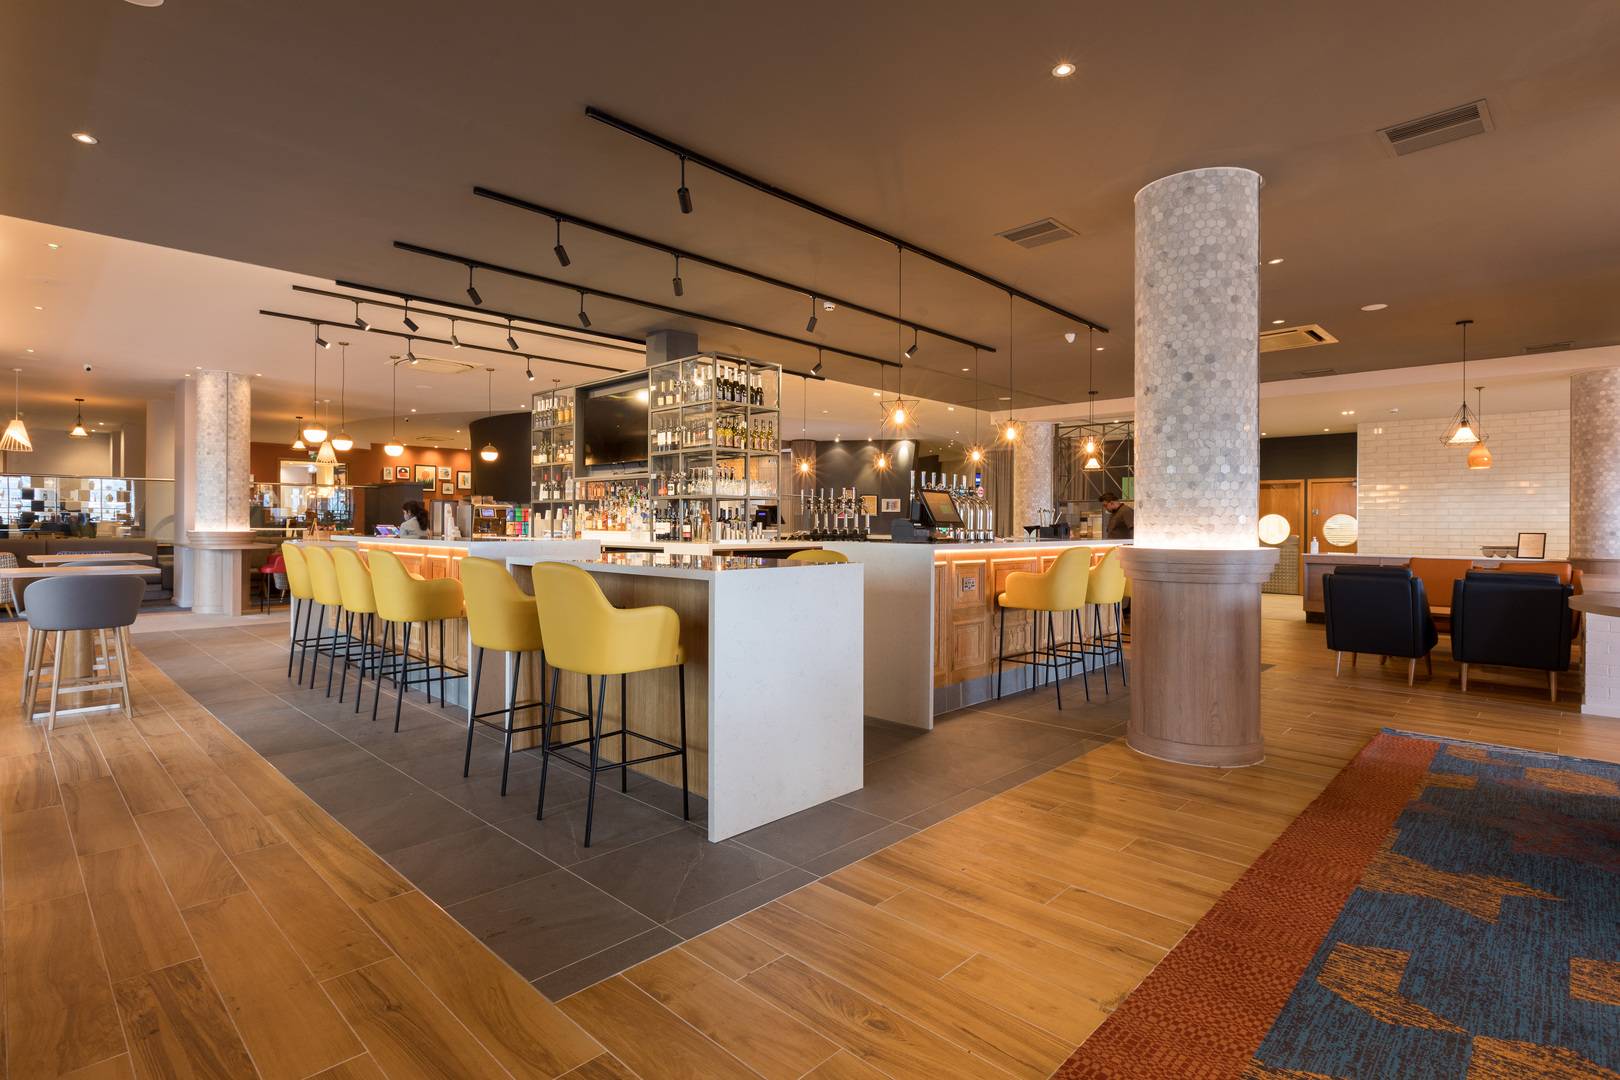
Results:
x,y
63,605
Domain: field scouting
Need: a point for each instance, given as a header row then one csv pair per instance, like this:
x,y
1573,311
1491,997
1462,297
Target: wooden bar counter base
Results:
x,y
1195,653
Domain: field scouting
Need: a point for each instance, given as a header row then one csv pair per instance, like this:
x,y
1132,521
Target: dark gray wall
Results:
x,y
1303,457
852,464
507,478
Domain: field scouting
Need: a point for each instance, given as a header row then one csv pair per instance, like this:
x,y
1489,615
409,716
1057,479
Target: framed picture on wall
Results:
x,y
388,473
444,472
464,479
869,504
891,506
402,472
427,476
447,488
1532,546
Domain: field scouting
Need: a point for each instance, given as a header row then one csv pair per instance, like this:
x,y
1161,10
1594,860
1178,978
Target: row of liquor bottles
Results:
x,y
725,432
727,383
727,481
553,410
695,522
548,453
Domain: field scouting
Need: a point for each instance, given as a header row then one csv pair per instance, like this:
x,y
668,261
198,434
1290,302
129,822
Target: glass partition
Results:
x,y
279,511
45,505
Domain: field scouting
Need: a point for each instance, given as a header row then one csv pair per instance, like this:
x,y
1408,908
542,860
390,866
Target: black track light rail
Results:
x,y
527,358
652,305
635,345
737,175
720,264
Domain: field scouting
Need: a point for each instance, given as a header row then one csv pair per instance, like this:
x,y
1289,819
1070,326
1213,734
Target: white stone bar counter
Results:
x,y
1600,651
774,679
931,622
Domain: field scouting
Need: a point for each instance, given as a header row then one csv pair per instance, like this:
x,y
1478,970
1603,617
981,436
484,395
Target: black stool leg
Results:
x,y
1102,647
1051,641
1119,640
596,748
441,663
686,797
382,658
348,652
1001,651
472,707
545,743
624,737
402,677
331,661
511,713
292,635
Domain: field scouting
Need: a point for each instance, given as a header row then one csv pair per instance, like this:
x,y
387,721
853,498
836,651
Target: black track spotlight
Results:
x,y
810,327
455,342
358,320
410,350
680,289
410,323
913,350
528,372
472,290
511,341
560,251
682,195
816,370
322,342
584,319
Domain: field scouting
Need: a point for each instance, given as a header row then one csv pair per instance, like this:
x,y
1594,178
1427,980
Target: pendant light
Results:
x,y
1480,456
804,465
315,431
1464,427
1092,456
489,452
341,442
16,440
77,431
298,434
902,411
1012,429
975,452
393,447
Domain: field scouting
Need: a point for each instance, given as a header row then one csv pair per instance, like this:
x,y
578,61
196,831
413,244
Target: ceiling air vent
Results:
x,y
1038,233
1551,346
1294,337
1437,129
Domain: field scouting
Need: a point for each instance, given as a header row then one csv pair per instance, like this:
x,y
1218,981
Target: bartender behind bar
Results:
x,y
1121,524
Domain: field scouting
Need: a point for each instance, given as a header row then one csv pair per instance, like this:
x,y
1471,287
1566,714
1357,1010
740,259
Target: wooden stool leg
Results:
x,y
123,670
1552,686
56,683
1338,663
1465,678
1411,670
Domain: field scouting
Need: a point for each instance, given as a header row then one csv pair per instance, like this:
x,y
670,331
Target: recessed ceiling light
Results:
x,y
1004,399
1373,307
413,410
146,3
53,245
966,369
1395,410
1063,70
950,408
258,374
39,307
823,412
876,393
1277,322
1099,348
85,137
30,350
1273,262
1262,434
1347,412
1327,429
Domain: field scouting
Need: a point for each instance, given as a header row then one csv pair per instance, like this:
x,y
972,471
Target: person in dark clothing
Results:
x,y
1121,524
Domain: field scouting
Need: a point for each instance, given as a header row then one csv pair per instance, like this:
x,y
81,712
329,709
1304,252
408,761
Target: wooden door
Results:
x,y
1286,498
1333,522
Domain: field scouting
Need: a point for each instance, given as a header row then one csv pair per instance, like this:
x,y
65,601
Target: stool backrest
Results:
x,y
818,555
500,615
1068,579
84,601
323,581
1107,582
584,632
297,571
354,581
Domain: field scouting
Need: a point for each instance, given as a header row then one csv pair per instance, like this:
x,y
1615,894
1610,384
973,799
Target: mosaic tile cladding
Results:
x,y
224,408
1594,465
1197,359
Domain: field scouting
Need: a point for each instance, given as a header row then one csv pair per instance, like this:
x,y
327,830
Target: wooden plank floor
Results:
x,y
173,907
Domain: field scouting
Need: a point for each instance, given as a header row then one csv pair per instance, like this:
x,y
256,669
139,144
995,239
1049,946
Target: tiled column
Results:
x,y
1594,471
1196,564
218,429
1033,464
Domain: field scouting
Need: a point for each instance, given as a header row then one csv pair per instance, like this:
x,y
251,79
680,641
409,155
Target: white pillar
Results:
x,y
214,470
1594,471
1196,564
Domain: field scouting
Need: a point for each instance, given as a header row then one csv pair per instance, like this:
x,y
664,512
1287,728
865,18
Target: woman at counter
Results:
x,y
415,524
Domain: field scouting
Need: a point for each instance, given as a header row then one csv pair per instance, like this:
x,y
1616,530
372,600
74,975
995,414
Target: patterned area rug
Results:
x,y
1443,909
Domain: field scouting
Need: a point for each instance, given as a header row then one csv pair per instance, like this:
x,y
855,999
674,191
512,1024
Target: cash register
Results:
x,y
933,517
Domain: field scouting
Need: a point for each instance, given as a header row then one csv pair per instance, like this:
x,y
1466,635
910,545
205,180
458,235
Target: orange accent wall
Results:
x,y
365,466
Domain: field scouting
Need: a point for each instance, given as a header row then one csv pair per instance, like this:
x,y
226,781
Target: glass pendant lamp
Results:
x,y
16,440
298,434
342,442
78,431
1479,457
393,447
489,451
1091,452
1464,427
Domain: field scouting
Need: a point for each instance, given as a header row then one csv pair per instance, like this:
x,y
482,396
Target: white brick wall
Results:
x,y
1601,658
1417,497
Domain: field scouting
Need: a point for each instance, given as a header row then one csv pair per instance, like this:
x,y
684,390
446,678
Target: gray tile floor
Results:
x,y
562,914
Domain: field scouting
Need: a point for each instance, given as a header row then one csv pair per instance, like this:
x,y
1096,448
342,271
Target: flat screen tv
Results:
x,y
613,427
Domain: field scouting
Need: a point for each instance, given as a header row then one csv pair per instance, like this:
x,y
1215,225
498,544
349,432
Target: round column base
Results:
x,y
1195,654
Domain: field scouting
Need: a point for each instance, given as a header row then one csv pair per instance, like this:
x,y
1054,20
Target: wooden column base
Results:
x,y
1195,653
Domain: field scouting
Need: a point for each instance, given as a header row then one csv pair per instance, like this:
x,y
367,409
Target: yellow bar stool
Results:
x,y
1059,588
818,555
402,600
500,616
303,605
1106,588
585,634
323,582
359,613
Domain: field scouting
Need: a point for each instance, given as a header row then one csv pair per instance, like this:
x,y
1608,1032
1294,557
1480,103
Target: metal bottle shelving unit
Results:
x,y
551,457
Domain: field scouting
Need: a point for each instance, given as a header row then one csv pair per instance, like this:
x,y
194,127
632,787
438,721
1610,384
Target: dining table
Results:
x,y
75,558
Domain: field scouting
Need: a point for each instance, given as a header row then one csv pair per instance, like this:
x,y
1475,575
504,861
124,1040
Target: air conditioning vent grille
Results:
x,y
1038,233
1437,129
1551,346
1295,337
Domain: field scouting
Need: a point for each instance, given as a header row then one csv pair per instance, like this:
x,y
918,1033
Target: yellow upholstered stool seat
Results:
x,y
586,634
303,605
403,599
1107,588
500,616
323,584
359,613
818,555
1061,587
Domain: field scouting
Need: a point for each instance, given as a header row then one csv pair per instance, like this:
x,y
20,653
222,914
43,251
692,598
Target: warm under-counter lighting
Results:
x,y
1062,70
85,137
